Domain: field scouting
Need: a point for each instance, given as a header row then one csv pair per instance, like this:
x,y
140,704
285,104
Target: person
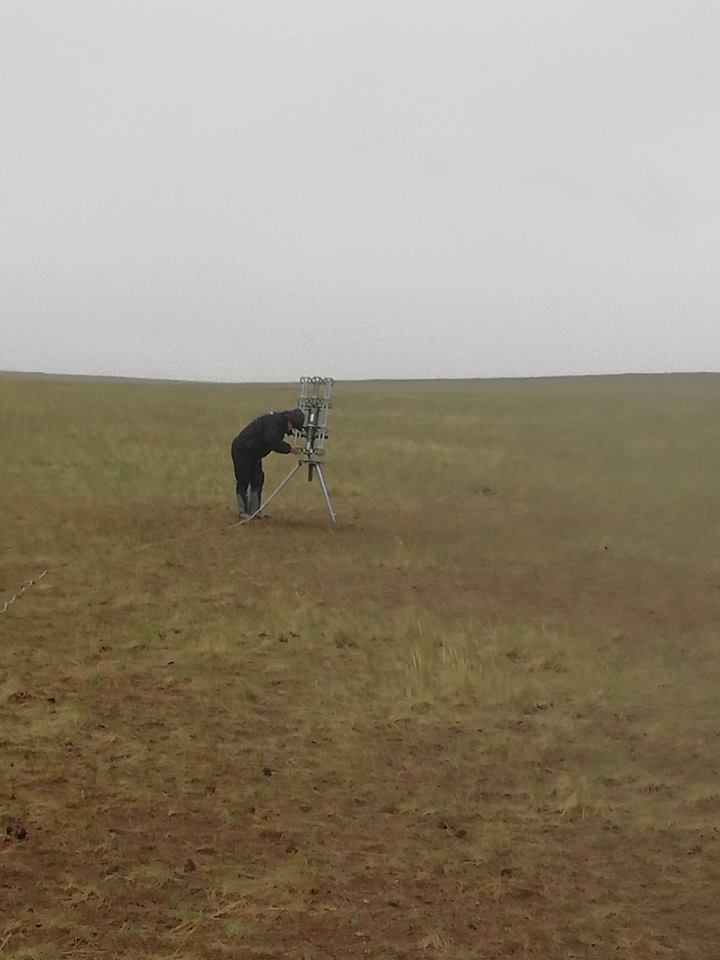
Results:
x,y
262,436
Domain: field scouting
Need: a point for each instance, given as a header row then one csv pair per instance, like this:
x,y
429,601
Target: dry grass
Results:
x,y
478,719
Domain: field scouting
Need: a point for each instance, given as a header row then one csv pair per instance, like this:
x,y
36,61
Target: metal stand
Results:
x,y
315,403
313,466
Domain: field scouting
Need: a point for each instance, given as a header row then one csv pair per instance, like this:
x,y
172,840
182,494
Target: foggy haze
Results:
x,y
234,191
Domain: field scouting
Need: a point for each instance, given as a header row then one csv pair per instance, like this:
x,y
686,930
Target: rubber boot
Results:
x,y
253,502
242,506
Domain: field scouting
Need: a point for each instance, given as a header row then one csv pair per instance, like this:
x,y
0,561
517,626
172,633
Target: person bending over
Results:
x,y
264,435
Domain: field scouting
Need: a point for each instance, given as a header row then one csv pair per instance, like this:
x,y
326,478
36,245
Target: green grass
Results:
x,y
477,718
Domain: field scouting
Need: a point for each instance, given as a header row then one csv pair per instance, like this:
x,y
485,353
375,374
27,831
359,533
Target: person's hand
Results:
x,y
295,450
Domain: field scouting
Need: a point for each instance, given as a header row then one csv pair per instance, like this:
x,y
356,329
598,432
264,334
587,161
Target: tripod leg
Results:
x,y
277,490
326,492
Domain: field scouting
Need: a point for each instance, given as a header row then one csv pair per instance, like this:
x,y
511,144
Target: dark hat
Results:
x,y
296,418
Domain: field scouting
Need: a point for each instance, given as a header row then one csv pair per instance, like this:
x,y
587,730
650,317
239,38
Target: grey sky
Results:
x,y
256,191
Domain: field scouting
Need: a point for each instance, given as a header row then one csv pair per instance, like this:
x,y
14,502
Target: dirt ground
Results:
x,y
485,729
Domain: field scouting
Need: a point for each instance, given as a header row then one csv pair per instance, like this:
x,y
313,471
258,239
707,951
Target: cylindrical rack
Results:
x,y
315,402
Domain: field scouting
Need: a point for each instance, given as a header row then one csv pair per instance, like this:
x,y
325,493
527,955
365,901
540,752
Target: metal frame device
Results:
x,y
315,402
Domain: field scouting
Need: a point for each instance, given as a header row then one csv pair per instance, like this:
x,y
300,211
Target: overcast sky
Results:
x,y
226,190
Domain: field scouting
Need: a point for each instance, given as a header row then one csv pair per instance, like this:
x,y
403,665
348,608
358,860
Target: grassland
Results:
x,y
477,719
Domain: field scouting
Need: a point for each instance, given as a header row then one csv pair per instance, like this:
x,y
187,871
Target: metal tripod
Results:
x,y
315,403
314,466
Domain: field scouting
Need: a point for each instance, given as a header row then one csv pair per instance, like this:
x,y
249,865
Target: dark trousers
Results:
x,y
248,472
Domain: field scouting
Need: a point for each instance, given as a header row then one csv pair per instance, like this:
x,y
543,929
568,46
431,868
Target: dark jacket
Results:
x,y
263,436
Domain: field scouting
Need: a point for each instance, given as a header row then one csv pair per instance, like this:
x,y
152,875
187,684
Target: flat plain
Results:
x,y
477,719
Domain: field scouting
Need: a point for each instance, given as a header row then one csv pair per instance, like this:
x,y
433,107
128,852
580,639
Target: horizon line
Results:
x,y
37,374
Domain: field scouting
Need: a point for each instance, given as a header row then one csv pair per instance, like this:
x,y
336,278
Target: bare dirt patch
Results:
x,y
438,731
